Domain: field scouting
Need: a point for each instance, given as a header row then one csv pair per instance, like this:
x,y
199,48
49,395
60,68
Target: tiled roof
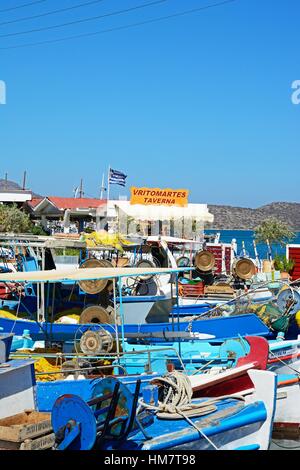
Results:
x,y
34,201
76,203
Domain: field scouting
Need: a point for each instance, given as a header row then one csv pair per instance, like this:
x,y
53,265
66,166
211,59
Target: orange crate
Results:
x,y
191,290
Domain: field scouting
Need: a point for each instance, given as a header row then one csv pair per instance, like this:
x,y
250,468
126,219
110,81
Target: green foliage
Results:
x,y
38,230
89,230
13,219
67,251
275,231
282,264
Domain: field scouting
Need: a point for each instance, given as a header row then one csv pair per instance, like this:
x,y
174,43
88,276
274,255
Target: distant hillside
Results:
x,y
12,186
9,185
230,217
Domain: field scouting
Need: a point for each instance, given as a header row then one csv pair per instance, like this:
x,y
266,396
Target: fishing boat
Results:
x,y
287,415
117,419
41,329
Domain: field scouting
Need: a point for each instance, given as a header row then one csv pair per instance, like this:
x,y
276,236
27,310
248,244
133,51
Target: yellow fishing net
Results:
x,y
104,238
43,364
297,316
5,313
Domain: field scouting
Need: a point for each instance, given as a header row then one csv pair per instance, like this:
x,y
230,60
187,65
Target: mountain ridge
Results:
x,y
243,218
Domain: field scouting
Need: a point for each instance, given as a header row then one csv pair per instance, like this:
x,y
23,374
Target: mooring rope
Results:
x,y
178,401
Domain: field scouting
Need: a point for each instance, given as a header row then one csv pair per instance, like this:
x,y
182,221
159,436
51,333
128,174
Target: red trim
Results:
x,y
288,382
259,352
283,358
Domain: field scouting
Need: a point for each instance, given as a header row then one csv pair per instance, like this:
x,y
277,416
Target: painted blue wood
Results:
x,y
221,327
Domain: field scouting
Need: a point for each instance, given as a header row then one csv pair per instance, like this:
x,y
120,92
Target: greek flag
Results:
x,y
116,177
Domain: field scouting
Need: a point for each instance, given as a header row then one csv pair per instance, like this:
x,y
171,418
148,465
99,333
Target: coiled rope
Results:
x,y
177,401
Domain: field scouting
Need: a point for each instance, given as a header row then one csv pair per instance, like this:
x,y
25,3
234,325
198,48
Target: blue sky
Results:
x,y
201,101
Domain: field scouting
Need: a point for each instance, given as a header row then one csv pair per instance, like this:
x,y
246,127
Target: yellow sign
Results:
x,y
159,197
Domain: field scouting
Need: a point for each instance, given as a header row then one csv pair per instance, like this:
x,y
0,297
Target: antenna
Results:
x,y
81,192
24,180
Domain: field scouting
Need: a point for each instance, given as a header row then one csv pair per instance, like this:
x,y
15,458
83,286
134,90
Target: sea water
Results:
x,y
247,236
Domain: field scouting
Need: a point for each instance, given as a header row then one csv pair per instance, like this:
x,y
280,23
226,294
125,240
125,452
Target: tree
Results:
x,y
274,231
13,219
38,230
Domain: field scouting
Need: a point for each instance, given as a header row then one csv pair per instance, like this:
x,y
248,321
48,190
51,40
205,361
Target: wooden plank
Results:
x,y
41,443
25,425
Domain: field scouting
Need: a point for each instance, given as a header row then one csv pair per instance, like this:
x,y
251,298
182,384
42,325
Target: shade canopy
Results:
x,y
76,274
198,212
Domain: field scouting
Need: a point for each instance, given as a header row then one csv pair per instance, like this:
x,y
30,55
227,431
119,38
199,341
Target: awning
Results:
x,y
198,212
86,274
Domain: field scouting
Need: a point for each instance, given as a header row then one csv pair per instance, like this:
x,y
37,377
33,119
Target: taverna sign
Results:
x,y
159,197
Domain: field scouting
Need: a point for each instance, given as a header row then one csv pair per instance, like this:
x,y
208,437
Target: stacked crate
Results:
x,y
29,430
293,252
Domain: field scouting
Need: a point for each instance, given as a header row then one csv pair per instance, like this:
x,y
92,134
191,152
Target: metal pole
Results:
x,y
81,193
43,286
38,295
116,319
102,187
121,312
177,306
24,181
108,184
52,312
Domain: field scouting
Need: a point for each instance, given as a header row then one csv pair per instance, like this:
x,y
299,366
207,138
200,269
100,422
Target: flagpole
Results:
x,y
108,184
102,187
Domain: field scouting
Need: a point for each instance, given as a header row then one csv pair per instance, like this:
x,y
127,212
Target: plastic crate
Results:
x,y
191,290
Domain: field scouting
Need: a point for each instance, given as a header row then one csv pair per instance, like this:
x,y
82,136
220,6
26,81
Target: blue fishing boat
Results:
x,y
157,418
219,327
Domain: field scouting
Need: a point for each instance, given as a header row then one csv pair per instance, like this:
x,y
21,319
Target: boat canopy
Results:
x,y
76,274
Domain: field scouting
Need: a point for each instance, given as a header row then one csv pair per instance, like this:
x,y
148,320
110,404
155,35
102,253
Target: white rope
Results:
x,y
178,400
283,362
200,431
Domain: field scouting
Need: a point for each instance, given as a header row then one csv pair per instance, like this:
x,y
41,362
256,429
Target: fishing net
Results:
x,y
268,312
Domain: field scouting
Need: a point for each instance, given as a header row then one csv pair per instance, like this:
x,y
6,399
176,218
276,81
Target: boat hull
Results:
x,y
221,328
